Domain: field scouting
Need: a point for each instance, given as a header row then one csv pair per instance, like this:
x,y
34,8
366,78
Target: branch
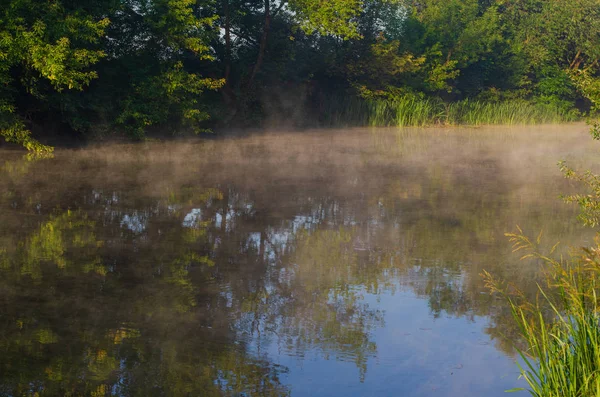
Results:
x,y
575,63
283,2
244,36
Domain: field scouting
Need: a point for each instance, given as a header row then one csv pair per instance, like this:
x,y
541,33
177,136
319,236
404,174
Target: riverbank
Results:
x,y
342,112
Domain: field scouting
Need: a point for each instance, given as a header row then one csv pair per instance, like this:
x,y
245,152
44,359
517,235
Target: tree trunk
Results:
x,y
227,91
227,41
263,44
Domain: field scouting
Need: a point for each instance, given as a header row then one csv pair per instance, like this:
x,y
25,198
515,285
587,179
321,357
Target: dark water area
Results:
x,y
321,263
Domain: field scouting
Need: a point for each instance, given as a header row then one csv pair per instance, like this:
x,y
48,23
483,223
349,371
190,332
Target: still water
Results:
x,y
320,263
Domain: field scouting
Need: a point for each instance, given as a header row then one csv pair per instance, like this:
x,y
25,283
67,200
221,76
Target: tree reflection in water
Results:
x,y
170,270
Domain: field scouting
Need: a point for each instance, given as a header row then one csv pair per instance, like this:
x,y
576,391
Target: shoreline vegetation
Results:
x,y
559,327
423,112
409,111
129,68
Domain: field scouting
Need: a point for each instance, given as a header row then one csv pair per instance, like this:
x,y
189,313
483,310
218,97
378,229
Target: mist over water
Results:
x,y
321,263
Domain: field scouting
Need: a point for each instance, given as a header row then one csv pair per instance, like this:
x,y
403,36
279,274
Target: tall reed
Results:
x,y
561,329
414,111
507,113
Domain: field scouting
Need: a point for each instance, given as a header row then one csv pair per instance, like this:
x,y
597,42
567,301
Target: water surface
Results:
x,y
319,263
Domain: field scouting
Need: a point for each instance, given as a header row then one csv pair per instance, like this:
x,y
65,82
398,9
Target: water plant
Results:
x,y
559,327
415,111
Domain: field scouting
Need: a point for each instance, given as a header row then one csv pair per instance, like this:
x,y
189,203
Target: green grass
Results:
x,y
507,113
561,329
412,111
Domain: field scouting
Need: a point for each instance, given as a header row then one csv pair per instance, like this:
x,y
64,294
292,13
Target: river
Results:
x,y
314,263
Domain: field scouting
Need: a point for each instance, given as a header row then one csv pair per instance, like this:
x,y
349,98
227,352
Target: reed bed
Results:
x,y
413,111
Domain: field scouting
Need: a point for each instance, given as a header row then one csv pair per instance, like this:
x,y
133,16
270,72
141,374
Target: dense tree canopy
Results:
x,y
97,67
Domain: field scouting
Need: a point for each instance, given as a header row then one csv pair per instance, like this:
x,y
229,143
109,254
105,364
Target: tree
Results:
x,y
557,40
150,76
44,47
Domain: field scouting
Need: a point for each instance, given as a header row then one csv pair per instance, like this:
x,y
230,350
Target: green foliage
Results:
x,y
555,32
555,83
462,30
384,66
45,46
588,85
455,35
96,67
333,17
589,203
153,80
154,100
16,132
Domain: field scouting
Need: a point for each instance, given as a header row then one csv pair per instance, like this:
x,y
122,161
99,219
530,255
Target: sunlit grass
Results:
x,y
413,111
507,113
560,329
